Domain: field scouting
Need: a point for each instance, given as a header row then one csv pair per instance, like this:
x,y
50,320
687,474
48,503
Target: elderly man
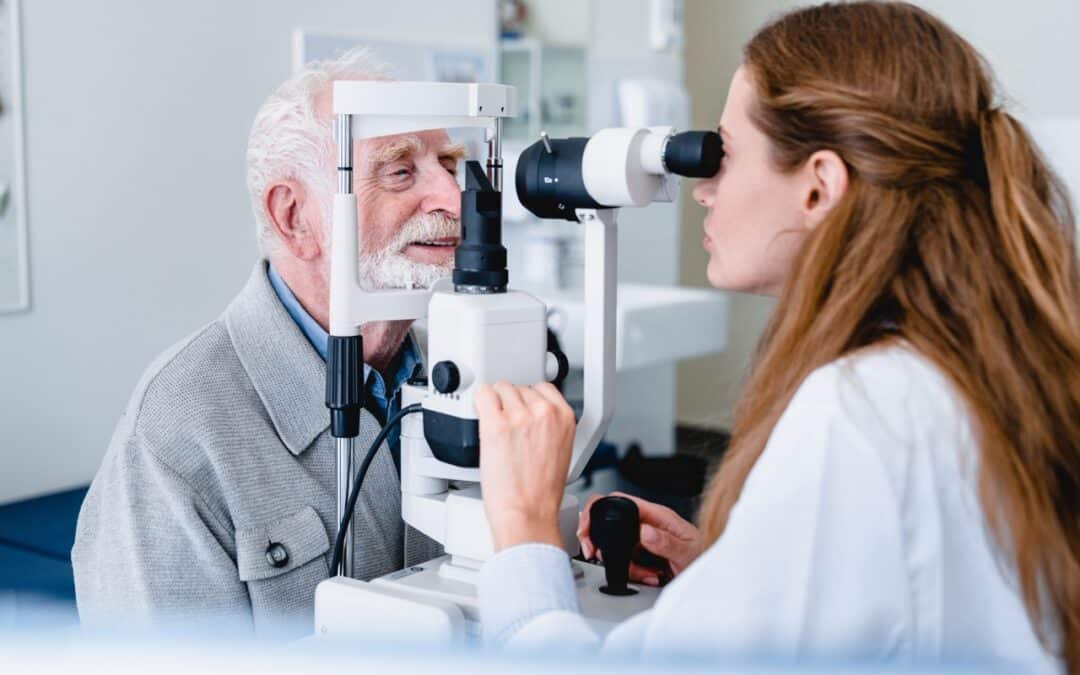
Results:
x,y
217,494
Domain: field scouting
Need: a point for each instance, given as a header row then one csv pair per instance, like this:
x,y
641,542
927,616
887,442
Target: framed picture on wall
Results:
x,y
14,253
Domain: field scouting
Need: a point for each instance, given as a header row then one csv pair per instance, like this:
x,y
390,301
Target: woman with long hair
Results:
x,y
903,478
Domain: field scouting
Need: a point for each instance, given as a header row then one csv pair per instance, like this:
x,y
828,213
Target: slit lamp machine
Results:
x,y
480,330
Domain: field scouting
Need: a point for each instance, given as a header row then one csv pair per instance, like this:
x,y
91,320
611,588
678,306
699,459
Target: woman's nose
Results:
x,y
703,193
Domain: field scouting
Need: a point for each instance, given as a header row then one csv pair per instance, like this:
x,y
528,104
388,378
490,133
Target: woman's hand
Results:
x,y
663,533
526,437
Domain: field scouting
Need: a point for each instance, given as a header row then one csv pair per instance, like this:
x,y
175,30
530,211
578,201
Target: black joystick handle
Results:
x,y
613,528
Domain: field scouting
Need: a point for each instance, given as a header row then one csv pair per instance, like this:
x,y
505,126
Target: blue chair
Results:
x,y
36,584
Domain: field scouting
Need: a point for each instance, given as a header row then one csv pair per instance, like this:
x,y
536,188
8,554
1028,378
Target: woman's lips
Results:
x,y
706,242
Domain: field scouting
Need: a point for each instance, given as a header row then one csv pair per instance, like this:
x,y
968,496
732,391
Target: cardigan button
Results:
x,y
277,555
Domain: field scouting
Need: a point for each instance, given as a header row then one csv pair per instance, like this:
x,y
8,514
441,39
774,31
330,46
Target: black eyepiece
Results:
x,y
694,154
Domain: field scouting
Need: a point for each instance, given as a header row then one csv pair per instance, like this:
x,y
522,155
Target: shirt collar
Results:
x,y
319,338
308,326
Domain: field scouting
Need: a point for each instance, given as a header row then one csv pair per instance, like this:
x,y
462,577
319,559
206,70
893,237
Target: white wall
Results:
x,y
648,238
1031,45
140,231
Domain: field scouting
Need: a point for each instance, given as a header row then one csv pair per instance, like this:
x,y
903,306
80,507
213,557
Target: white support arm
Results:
x,y
350,305
411,99
600,285
381,108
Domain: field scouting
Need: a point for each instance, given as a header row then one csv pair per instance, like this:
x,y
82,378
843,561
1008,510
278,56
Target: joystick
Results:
x,y
614,528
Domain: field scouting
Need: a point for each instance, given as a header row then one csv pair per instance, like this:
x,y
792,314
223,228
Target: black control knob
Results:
x,y
445,377
561,360
613,528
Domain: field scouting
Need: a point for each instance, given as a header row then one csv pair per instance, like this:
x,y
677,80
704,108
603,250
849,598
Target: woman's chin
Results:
x,y
719,278
726,279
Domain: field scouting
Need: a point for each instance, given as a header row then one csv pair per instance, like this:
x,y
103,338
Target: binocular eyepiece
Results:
x,y
613,168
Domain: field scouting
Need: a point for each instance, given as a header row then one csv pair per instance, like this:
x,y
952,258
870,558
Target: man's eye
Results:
x,y
403,173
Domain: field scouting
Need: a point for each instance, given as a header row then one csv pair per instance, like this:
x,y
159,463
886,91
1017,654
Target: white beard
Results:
x,y
398,271
391,268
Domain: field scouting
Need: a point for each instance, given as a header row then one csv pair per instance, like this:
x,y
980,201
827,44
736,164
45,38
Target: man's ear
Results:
x,y
292,212
826,182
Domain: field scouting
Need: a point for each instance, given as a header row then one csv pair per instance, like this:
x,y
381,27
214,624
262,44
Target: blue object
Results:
x,y
43,526
28,576
37,589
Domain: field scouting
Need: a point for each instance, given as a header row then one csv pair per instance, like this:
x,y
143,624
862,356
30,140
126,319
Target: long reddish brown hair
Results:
x,y
954,235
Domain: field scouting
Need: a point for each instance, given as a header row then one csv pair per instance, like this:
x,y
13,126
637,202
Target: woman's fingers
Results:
x,y
663,518
551,393
588,550
523,463
660,542
645,575
509,396
666,534
663,533
487,401
529,397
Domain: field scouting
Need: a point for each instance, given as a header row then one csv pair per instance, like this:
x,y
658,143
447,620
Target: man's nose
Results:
x,y
442,193
703,192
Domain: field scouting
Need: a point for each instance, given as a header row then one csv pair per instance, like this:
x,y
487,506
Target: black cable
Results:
x,y
339,540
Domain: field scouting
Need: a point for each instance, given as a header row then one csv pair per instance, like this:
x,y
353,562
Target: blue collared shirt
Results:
x,y
378,395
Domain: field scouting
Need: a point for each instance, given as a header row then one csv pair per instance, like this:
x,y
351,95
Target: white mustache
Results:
x,y
389,267
424,227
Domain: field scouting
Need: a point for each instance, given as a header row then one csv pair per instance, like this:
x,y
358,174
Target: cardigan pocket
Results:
x,y
280,546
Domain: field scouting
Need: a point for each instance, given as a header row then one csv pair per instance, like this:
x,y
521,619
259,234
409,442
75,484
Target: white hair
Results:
x,y
289,140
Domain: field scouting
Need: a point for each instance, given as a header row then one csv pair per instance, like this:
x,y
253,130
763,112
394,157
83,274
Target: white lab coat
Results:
x,y
858,535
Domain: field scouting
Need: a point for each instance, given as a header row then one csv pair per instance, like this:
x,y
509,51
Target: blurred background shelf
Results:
x,y
551,83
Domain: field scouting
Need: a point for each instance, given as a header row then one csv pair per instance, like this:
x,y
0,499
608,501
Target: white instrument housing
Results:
x,y
498,337
641,179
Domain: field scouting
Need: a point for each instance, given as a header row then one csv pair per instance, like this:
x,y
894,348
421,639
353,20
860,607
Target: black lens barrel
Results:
x,y
480,258
551,184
